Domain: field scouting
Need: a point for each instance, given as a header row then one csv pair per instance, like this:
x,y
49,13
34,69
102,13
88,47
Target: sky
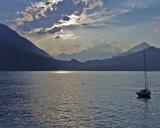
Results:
x,y
96,27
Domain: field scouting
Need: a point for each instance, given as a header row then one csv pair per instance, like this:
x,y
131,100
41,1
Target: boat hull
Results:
x,y
144,94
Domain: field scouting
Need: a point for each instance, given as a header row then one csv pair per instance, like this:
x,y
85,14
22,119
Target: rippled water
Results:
x,y
77,99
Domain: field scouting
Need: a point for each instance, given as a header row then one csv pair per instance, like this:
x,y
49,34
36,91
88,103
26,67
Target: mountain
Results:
x,y
138,48
99,51
84,56
132,60
18,53
129,62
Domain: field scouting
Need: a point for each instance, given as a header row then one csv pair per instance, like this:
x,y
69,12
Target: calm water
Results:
x,y
77,99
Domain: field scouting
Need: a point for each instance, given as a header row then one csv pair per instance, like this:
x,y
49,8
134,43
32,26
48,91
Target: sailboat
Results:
x,y
145,93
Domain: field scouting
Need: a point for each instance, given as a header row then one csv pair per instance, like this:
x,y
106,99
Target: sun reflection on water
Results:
x,y
63,72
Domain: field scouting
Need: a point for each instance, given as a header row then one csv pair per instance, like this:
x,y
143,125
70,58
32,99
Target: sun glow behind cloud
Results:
x,y
52,16
74,15
58,26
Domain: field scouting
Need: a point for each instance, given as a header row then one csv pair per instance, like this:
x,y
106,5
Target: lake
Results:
x,y
78,100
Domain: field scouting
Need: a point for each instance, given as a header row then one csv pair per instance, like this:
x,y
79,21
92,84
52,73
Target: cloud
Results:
x,y
56,16
57,27
82,14
42,9
140,3
57,44
35,11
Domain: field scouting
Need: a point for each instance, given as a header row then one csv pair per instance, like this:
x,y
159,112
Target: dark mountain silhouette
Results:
x,y
18,53
130,62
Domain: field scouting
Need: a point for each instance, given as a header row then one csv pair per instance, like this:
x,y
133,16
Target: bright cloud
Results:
x,y
35,11
60,22
52,16
38,10
64,14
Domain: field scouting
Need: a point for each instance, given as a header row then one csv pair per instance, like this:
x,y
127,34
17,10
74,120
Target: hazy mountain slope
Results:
x,y
17,53
133,61
137,48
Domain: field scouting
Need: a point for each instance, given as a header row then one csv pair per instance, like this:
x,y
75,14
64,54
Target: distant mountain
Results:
x,y
132,60
137,48
99,51
18,53
129,62
85,55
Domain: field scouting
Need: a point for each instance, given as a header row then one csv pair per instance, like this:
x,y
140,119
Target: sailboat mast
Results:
x,y
145,70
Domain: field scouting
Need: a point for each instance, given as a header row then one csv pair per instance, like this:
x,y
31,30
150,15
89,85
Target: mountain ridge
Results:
x,y
84,55
140,47
131,62
17,40
19,54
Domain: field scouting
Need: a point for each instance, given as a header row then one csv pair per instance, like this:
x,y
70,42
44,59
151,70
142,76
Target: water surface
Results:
x,y
77,99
